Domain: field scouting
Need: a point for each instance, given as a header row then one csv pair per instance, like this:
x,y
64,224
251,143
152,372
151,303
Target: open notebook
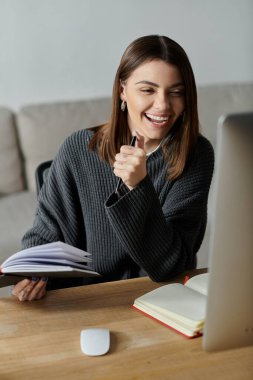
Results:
x,y
50,260
180,307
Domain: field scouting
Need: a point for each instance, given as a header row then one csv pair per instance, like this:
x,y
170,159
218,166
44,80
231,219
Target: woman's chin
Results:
x,y
157,132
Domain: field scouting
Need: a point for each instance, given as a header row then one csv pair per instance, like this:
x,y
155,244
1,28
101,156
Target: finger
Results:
x,y
123,174
126,149
132,164
24,294
130,150
120,165
121,157
136,156
41,294
38,291
20,286
119,172
129,166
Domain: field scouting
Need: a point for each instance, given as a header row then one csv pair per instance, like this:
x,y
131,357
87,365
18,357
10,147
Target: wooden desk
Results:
x,y
40,340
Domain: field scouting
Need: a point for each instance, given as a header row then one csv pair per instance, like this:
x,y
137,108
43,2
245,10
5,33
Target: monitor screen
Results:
x,y
229,315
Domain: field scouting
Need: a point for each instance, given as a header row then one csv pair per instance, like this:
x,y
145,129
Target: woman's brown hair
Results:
x,y
110,137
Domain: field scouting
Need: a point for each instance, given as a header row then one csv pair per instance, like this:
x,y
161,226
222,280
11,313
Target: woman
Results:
x,y
155,225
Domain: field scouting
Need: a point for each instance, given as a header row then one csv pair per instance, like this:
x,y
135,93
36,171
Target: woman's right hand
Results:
x,y
30,289
130,163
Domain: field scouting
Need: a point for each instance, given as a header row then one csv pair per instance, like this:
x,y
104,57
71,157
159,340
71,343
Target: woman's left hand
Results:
x,y
130,163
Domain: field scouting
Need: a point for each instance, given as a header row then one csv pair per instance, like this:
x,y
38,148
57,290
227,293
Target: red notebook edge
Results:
x,y
197,335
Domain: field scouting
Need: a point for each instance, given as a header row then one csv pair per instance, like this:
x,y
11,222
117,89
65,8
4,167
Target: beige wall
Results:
x,y
69,49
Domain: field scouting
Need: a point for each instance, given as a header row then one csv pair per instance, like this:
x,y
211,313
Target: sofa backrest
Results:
x,y
42,128
216,100
11,179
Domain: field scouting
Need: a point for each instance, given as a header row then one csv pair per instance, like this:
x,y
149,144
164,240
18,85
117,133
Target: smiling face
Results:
x,y
154,94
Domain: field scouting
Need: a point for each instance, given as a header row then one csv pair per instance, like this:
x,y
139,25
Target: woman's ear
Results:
x,y
122,91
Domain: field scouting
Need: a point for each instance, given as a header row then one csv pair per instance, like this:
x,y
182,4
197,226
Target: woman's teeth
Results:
x,y
157,119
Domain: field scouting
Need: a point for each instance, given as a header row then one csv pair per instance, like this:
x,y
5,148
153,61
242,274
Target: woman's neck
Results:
x,y
151,147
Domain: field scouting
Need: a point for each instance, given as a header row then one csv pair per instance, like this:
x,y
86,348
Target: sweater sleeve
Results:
x,y
57,211
163,239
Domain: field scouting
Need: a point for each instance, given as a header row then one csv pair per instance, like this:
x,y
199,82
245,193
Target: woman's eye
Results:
x,y
176,93
147,90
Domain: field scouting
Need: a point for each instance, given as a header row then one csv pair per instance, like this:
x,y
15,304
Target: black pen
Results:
x,y
132,143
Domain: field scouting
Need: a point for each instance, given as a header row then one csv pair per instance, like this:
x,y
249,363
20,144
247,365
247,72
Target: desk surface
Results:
x,y
40,340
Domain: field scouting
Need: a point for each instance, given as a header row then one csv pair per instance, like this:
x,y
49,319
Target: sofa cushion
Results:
x,y
42,128
10,160
214,101
17,213
219,99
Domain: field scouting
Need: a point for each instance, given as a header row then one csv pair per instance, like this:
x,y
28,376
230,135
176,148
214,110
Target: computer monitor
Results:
x,y
229,315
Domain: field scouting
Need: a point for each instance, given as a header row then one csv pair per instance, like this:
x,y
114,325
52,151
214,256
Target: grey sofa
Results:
x,y
35,132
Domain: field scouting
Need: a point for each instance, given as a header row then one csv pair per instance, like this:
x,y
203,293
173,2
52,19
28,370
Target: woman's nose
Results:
x,y
162,102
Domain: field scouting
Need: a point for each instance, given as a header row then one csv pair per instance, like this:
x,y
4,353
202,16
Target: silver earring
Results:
x,y
123,105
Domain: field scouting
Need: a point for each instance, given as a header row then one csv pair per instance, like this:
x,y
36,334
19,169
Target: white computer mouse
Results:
x,y
95,342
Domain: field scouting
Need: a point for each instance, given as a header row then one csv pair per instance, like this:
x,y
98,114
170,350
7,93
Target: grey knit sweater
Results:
x,y
155,229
